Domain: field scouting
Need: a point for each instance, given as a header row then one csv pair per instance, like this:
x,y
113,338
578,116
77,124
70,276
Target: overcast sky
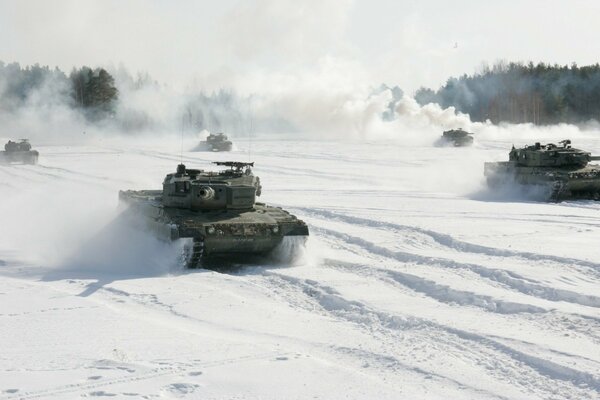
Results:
x,y
237,43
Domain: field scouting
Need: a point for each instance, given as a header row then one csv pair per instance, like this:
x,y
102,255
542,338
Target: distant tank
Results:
x,y
218,210
18,152
560,170
218,142
457,138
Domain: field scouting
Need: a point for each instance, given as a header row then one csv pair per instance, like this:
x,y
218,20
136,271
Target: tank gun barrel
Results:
x,y
594,158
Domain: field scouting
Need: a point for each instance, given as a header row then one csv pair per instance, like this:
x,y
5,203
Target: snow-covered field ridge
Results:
x,y
416,282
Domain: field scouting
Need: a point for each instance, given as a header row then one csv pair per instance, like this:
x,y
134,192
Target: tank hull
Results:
x,y
220,146
561,183
458,142
221,232
19,157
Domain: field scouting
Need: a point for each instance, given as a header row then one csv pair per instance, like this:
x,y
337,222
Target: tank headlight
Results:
x,y
275,229
210,230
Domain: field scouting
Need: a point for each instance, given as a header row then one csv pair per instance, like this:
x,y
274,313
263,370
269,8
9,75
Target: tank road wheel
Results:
x,y
193,253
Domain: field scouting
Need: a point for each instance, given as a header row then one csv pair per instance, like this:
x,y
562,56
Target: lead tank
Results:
x,y
18,152
217,210
561,171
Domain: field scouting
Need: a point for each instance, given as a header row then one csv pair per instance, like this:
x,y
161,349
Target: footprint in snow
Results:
x,y
102,393
181,389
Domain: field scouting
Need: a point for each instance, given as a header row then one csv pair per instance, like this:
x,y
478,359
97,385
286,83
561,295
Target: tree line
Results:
x,y
92,91
520,93
95,93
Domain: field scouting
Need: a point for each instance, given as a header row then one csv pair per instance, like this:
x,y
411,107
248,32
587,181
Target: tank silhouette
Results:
x,y
18,152
561,171
457,137
217,209
218,142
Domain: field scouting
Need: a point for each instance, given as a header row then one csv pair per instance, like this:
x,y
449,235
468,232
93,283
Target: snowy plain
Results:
x,y
416,283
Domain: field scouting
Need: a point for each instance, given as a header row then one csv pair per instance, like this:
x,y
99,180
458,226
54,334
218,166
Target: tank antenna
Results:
x,y
181,144
250,132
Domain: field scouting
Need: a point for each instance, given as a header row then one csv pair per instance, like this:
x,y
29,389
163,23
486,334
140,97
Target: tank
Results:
x,y
217,210
218,142
561,171
457,138
18,152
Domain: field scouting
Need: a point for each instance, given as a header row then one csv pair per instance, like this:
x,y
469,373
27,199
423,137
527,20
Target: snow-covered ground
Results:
x,y
416,282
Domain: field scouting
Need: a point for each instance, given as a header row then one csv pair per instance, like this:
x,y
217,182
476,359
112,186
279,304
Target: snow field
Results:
x,y
416,282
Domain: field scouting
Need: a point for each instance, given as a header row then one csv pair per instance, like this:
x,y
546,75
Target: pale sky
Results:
x,y
210,43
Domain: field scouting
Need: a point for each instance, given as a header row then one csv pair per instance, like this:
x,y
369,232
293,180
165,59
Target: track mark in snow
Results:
x,y
444,239
442,293
507,278
78,174
392,364
358,313
545,319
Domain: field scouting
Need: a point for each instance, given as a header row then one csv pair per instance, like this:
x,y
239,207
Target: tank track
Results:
x,y
559,192
193,253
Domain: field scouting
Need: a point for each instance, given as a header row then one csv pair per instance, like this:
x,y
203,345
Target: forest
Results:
x,y
92,91
116,96
505,92
523,93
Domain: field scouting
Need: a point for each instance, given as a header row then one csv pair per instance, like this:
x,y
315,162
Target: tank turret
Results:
x,y
234,188
216,209
563,171
550,155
